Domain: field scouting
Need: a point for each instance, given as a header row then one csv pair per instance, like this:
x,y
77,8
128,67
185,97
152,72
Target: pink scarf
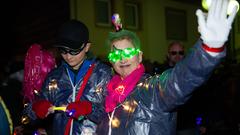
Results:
x,y
119,89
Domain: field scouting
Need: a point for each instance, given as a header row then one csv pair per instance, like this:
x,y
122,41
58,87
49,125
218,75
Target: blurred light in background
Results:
x,y
206,4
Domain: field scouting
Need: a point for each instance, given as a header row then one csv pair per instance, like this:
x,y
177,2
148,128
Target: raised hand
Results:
x,y
215,28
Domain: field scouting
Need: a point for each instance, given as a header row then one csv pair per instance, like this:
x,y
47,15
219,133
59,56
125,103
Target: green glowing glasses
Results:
x,y
118,54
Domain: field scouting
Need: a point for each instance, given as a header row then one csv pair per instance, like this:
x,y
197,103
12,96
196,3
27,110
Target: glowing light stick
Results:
x,y
59,108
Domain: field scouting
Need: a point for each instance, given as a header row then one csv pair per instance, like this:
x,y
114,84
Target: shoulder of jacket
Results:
x,y
101,65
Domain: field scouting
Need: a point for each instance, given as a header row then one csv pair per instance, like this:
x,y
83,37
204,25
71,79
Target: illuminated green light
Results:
x,y
118,54
206,4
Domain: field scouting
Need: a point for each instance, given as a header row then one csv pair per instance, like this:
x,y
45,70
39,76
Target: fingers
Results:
x,y
212,8
201,20
51,110
218,8
224,9
232,15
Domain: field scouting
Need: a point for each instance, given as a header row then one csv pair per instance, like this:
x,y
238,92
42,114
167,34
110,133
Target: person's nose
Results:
x,y
68,56
123,60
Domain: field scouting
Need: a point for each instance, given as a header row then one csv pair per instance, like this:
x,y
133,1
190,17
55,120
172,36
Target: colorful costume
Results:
x,y
149,108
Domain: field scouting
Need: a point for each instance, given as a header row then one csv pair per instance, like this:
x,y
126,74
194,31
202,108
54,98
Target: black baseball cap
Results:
x,y
73,35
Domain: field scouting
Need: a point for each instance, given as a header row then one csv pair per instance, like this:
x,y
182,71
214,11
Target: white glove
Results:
x,y
215,27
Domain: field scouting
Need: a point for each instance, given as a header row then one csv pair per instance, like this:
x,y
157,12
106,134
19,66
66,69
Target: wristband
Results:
x,y
209,49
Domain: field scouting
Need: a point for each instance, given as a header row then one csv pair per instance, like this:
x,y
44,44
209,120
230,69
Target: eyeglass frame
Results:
x,y
121,53
65,50
176,52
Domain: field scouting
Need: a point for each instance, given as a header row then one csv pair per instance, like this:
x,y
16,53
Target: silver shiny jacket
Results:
x,y
58,89
149,109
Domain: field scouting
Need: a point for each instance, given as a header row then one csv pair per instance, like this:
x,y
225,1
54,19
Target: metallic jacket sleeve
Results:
x,y
177,84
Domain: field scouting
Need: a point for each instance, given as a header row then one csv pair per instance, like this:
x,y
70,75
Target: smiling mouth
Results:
x,y
124,66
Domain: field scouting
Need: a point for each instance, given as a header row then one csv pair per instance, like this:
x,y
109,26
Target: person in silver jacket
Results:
x,y
140,104
72,93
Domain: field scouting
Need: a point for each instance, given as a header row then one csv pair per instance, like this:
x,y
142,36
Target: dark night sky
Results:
x,y
30,21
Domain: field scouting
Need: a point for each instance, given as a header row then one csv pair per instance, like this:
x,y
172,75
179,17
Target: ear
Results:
x,y
87,47
140,56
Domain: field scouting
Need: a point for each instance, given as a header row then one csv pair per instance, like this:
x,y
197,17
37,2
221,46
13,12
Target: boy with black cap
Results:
x,y
73,91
